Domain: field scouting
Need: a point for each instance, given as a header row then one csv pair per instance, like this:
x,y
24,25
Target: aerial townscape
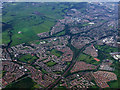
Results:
x,y
60,45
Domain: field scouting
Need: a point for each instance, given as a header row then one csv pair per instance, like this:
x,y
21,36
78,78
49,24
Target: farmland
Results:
x,y
29,19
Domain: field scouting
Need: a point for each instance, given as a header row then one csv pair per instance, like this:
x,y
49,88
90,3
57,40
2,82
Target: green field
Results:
x,y
5,37
104,51
86,24
38,42
88,59
60,33
106,48
24,83
30,20
114,84
50,63
27,58
56,52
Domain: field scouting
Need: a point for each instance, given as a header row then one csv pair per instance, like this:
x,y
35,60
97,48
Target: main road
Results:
x,y
71,65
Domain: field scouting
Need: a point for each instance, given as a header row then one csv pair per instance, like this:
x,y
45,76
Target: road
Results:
x,y
73,62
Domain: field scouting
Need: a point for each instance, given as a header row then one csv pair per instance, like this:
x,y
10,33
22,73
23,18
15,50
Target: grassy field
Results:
x,y
38,42
56,53
50,63
30,19
24,83
104,51
27,58
5,37
106,48
88,59
114,84
61,33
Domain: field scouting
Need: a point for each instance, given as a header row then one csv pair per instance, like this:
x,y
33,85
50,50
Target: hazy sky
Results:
x,y
62,0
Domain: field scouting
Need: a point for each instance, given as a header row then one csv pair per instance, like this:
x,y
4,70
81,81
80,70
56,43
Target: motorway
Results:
x,y
71,65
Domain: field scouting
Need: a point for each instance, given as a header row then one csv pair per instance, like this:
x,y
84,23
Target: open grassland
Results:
x,y
56,52
24,83
88,59
106,48
104,51
27,58
114,84
60,33
50,63
30,19
5,37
